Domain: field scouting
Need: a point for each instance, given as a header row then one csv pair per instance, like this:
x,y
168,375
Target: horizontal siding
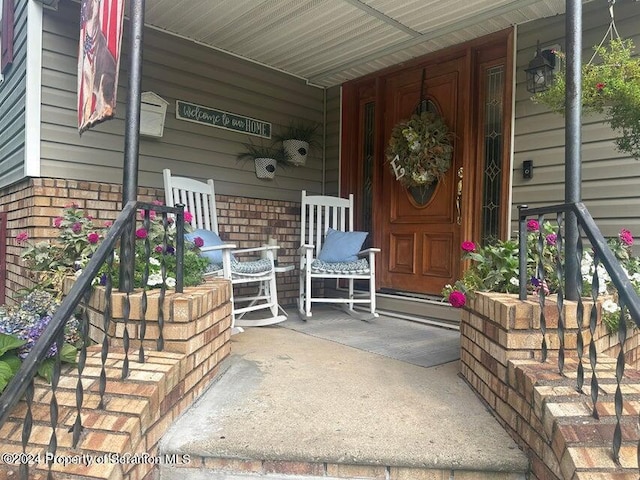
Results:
x,y
12,104
609,178
174,69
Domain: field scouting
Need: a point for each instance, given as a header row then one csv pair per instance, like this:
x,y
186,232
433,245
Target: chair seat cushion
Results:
x,y
242,268
251,267
359,266
339,247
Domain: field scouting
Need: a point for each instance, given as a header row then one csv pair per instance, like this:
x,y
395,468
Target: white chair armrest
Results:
x,y
264,248
226,246
369,250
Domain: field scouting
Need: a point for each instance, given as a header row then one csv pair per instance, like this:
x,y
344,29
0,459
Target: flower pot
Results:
x,y
265,168
296,151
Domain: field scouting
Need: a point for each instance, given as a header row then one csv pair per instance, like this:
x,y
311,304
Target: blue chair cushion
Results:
x,y
341,246
210,239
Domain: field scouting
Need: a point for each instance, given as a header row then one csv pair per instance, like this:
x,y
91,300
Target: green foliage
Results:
x,y
423,145
610,87
303,131
260,150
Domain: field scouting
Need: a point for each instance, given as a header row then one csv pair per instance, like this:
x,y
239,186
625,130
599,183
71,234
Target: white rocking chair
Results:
x,y
200,200
331,249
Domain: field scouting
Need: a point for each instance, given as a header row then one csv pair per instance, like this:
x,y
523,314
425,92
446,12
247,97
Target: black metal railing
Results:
x,y
628,299
22,384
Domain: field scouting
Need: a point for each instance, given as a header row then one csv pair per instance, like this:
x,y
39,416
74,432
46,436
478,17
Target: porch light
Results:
x,y
540,71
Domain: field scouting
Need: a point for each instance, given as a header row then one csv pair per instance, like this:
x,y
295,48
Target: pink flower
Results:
x,y
187,216
468,246
107,224
93,238
22,237
158,249
457,299
198,242
76,227
533,225
626,237
57,222
141,233
157,202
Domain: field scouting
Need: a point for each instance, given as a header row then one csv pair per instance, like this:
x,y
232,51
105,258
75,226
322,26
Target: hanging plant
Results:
x,y
610,87
420,150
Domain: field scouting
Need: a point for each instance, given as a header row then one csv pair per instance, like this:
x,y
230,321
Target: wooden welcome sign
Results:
x,y
191,112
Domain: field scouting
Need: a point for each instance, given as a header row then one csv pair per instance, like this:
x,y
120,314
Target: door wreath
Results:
x,y
420,150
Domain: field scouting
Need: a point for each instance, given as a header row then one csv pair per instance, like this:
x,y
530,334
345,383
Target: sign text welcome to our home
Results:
x,y
221,119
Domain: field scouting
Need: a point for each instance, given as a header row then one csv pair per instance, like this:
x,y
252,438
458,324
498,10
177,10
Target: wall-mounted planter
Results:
x,y
296,151
266,168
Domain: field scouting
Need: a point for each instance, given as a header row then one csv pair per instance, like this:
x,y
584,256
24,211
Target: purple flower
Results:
x,y
533,225
457,299
76,227
170,250
57,222
552,238
198,242
103,279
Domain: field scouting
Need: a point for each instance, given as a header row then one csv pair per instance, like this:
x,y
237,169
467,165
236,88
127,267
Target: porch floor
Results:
x,y
320,407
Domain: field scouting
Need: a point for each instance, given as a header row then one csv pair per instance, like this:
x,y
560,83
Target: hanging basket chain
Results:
x,y
611,33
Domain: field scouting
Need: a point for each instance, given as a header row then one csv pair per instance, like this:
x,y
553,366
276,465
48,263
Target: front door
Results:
x,y
420,230
420,226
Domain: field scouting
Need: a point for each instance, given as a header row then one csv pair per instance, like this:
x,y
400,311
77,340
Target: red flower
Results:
x,y
198,242
533,225
141,233
626,237
468,246
22,237
57,222
93,238
457,299
600,86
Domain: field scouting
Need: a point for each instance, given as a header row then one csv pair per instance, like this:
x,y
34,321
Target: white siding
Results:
x,y
173,68
609,179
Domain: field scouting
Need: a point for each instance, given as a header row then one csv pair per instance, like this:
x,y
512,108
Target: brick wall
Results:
x,y
500,341
32,205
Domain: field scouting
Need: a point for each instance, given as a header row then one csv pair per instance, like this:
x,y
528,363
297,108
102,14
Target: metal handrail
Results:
x,y
598,242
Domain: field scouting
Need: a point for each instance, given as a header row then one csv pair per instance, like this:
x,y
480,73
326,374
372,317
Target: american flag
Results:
x,y
101,24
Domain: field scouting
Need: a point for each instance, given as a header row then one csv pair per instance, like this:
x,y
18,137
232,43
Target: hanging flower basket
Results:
x,y
296,151
266,168
610,87
420,150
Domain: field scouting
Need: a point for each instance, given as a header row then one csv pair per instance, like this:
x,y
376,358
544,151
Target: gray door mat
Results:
x,y
403,340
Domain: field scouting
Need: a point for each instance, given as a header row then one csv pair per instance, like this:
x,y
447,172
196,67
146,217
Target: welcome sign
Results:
x,y
191,112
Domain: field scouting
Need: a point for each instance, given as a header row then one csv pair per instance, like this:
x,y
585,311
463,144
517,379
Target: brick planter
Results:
x,y
541,409
121,440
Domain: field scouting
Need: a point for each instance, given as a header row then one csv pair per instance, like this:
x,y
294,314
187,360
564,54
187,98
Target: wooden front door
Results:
x,y
420,226
420,231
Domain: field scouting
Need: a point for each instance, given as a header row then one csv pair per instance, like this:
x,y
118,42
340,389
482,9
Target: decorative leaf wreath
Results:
x,y
420,150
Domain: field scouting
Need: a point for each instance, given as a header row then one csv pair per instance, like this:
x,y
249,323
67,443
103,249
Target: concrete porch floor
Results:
x,y
321,408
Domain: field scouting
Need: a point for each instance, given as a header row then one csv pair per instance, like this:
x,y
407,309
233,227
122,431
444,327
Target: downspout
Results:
x,y
324,140
132,138
573,141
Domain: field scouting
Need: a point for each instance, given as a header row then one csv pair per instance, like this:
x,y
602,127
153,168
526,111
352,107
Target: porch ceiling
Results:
x,y
328,42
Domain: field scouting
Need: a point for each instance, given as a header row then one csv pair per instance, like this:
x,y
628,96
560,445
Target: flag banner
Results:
x,y
98,60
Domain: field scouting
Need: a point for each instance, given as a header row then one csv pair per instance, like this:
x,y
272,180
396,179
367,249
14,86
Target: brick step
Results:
x,y
205,468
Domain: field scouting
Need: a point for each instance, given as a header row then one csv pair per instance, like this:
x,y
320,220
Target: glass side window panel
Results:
x,y
493,154
367,168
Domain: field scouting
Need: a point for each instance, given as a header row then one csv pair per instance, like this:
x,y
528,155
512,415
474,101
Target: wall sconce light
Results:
x,y
541,70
